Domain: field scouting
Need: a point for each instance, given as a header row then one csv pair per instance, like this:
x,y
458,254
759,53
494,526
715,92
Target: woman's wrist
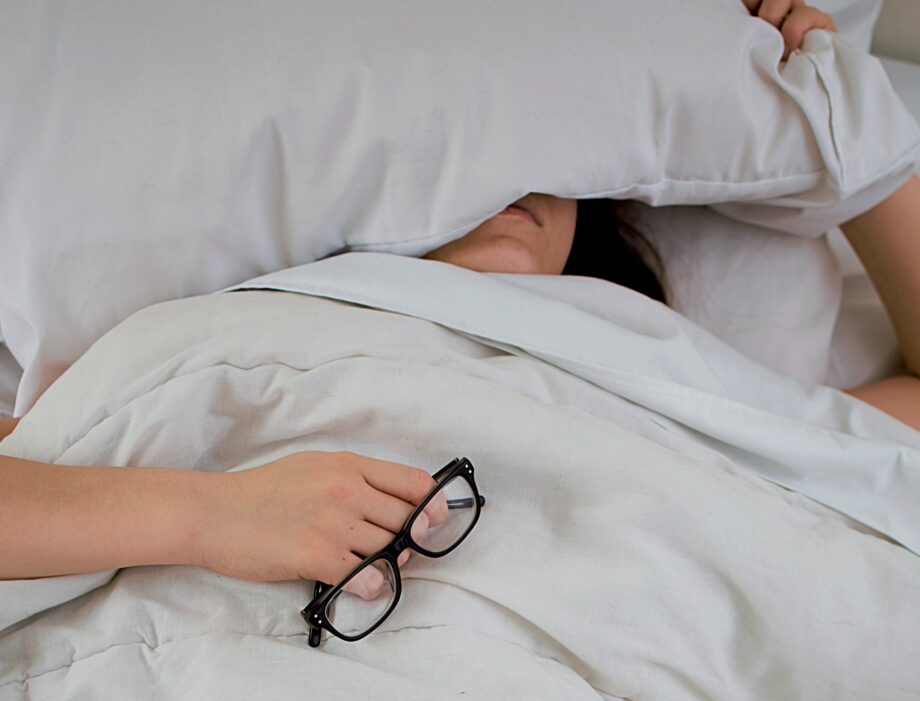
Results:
x,y
189,509
202,516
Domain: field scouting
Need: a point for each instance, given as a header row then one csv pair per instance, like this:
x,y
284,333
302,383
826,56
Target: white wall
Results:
x,y
898,31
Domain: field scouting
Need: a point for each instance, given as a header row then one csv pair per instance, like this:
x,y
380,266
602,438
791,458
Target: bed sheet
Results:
x,y
624,467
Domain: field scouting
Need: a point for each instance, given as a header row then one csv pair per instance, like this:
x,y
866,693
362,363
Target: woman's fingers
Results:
x,y
436,509
337,567
420,528
386,511
407,483
800,21
370,582
774,11
365,538
793,18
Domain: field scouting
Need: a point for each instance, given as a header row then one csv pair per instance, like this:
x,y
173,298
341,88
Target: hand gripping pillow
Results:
x,y
150,151
772,296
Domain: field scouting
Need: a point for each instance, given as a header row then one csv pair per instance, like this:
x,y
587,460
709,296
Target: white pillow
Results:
x,y
772,296
151,151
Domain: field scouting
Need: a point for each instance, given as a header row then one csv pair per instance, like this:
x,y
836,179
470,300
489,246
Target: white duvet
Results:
x,y
636,542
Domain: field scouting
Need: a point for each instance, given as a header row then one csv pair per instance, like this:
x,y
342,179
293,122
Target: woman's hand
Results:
x,y
793,18
312,515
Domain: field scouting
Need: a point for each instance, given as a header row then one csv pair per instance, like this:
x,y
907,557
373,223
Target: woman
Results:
x,y
536,235
307,514
542,234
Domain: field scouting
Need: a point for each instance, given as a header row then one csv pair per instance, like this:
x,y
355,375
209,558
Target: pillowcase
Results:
x,y
152,151
772,296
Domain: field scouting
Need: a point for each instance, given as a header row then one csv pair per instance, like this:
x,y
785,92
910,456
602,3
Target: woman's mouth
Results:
x,y
516,210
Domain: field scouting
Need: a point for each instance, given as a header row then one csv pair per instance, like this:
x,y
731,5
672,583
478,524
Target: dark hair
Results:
x,y
609,248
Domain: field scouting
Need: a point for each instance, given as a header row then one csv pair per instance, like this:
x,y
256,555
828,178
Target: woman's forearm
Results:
x,y
66,520
898,396
887,241
6,426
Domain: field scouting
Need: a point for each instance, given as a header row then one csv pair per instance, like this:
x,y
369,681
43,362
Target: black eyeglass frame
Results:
x,y
314,612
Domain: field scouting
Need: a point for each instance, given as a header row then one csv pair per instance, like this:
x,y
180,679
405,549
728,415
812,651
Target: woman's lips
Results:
x,y
513,210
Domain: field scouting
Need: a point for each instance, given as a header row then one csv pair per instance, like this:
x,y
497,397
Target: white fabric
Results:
x,y
781,300
772,296
732,388
157,150
627,548
865,347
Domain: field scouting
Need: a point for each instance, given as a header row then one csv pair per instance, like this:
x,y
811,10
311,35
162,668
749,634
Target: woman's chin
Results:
x,y
496,255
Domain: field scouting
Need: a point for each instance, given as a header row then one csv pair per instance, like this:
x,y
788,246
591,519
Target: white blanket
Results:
x,y
630,546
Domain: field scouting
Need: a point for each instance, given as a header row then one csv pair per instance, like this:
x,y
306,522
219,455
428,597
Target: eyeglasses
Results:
x,y
452,508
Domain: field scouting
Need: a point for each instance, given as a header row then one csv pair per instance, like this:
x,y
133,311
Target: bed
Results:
x,y
843,338
605,474
680,504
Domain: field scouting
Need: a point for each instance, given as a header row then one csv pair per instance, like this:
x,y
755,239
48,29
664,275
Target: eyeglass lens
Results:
x,y
451,512
371,594
368,596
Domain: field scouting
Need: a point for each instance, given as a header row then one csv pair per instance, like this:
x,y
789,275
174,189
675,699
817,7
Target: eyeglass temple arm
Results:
x,y
464,503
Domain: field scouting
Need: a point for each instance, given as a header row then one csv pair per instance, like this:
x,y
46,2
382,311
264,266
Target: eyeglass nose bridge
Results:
x,y
400,544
